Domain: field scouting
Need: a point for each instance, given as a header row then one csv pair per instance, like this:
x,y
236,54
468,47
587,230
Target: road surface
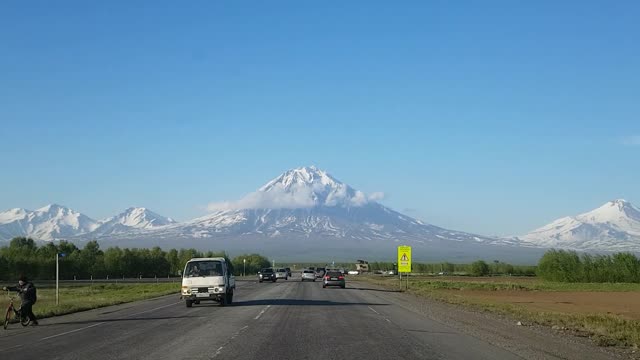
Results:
x,y
286,320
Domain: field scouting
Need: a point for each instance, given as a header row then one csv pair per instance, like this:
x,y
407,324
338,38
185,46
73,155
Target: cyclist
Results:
x,y
28,295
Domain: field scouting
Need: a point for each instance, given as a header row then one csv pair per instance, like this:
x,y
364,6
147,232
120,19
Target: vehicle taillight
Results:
x,y
327,277
340,277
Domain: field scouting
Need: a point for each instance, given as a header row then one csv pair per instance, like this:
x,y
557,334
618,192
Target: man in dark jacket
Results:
x,y
27,292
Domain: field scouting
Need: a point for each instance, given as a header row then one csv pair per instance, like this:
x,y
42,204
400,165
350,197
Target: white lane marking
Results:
x,y
154,309
262,312
71,332
94,325
389,321
13,347
218,351
239,332
370,308
236,334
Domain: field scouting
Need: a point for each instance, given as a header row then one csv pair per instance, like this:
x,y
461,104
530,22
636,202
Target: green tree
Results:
x,y
254,262
479,268
560,265
174,261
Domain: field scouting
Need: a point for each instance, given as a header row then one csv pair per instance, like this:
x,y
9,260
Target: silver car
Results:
x,y
333,278
282,274
308,274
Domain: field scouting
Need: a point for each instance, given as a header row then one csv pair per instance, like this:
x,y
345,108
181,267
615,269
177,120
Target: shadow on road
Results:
x,y
296,302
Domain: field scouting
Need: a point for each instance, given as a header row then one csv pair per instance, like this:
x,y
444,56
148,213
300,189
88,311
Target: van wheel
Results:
x,y
189,303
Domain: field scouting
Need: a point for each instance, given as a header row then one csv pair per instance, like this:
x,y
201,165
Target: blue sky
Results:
x,y
490,117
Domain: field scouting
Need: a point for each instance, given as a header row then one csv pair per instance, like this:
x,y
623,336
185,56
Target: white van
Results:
x,y
207,279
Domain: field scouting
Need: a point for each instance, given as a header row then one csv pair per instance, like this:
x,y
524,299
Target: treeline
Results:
x,y
478,268
24,256
568,266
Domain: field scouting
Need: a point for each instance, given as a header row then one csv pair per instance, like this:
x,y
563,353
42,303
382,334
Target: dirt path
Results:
x,y
624,304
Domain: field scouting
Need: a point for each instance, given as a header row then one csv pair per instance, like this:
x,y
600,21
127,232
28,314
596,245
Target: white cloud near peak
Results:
x,y
295,197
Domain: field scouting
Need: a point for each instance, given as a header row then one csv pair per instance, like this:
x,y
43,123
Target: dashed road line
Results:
x,y
154,309
71,332
370,308
262,312
235,335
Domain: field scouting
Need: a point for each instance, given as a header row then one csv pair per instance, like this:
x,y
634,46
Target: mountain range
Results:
x,y
306,210
614,226
55,222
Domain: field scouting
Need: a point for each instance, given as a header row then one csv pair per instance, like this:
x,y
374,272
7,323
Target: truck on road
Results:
x,y
207,279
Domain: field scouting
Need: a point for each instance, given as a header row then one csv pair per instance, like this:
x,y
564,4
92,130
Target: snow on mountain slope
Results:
x,y
54,222
47,223
131,218
614,226
309,203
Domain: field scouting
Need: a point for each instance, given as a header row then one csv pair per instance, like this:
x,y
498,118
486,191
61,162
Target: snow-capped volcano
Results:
x,y
300,188
313,187
47,223
131,218
309,203
614,226
304,212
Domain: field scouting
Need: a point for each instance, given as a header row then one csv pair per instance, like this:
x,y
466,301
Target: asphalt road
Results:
x,y
285,320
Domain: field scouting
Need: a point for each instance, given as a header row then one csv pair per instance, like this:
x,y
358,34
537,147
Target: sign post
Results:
x,y
404,262
58,256
244,267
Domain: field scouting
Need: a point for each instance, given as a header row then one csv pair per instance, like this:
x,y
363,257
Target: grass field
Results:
x,y
74,298
608,313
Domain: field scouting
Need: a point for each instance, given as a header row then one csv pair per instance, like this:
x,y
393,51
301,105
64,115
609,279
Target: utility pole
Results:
x,y
244,267
58,256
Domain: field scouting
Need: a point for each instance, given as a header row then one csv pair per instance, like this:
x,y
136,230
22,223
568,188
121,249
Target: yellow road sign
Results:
x,y
404,259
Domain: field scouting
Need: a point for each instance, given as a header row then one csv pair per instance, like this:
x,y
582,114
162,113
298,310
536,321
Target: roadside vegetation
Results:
x,y
478,268
24,256
568,266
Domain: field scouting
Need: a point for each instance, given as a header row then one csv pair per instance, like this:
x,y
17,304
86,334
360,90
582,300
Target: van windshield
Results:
x,y
203,268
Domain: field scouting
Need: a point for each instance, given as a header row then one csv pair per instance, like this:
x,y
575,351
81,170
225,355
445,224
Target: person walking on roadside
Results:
x,y
28,295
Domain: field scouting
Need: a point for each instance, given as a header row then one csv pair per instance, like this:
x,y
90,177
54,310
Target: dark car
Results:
x,y
267,274
288,271
320,272
333,278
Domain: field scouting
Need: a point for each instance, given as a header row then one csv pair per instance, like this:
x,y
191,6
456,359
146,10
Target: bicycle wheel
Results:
x,y
7,318
24,321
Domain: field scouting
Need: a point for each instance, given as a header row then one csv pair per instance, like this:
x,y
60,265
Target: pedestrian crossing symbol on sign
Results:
x,y
404,259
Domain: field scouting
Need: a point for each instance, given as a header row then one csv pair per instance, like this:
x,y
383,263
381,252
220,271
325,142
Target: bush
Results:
x,y
479,268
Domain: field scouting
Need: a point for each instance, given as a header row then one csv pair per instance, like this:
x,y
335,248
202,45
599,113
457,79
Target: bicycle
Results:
x,y
13,312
